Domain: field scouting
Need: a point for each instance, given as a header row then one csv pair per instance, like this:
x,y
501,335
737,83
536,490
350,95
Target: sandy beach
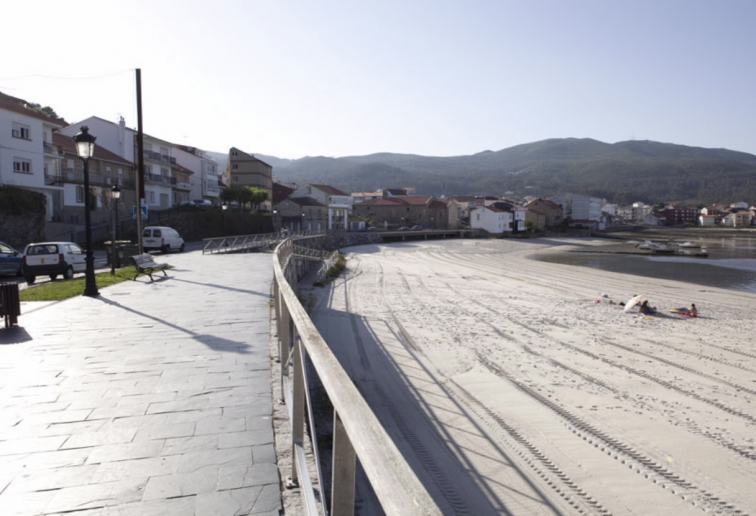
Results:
x,y
511,390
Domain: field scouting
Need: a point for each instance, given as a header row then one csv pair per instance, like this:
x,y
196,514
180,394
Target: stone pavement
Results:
x,y
153,399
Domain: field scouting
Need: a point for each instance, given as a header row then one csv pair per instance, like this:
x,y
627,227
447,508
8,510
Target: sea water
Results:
x,y
731,264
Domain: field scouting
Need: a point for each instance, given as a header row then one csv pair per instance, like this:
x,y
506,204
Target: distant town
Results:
x,y
38,153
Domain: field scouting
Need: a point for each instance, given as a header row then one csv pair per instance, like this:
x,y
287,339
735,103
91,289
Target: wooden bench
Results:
x,y
145,264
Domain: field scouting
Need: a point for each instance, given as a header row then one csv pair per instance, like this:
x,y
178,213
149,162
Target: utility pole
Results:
x,y
140,160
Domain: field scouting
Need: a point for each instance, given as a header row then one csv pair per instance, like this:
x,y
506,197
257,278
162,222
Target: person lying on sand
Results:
x,y
645,309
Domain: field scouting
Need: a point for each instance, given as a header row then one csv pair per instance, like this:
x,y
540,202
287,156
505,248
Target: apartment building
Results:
x,y
28,157
205,180
245,169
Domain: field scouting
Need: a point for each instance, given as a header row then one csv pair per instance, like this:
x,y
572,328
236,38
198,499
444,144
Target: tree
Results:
x,y
258,197
47,110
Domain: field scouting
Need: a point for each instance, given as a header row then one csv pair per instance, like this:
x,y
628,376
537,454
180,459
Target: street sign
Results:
x,y
144,212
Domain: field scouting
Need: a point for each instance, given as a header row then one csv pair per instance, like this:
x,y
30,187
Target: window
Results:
x,y
109,175
79,194
21,131
152,197
234,166
120,176
22,166
236,179
163,171
70,165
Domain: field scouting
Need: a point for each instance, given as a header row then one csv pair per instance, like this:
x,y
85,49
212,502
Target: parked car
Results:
x,y
11,261
202,202
161,238
404,228
53,259
417,227
374,228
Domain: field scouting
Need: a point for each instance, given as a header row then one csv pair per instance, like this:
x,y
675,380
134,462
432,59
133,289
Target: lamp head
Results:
x,y
85,143
224,206
115,192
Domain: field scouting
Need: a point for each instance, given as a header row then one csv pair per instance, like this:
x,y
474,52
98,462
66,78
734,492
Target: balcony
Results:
x,y
53,180
160,179
183,186
49,148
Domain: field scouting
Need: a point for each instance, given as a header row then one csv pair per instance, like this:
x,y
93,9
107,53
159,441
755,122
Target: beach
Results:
x,y
514,386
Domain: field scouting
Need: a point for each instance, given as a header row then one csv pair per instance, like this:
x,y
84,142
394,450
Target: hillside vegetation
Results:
x,y
622,172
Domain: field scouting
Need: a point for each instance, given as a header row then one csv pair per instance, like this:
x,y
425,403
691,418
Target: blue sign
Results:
x,y
144,212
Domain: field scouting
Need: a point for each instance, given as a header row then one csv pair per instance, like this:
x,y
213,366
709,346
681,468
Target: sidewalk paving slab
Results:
x,y
153,398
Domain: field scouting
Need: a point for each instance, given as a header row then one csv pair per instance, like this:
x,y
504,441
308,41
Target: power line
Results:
x,y
64,78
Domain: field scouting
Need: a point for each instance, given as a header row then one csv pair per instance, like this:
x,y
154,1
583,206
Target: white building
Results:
x,y
579,208
492,220
338,203
165,184
28,158
204,180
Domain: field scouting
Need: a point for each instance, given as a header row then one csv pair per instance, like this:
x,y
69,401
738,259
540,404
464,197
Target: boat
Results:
x,y
689,245
656,247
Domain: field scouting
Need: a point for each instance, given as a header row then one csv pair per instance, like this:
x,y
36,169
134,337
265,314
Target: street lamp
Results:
x,y
303,221
85,145
224,207
115,194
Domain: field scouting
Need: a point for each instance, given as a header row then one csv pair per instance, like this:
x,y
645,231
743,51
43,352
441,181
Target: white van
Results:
x,y
160,238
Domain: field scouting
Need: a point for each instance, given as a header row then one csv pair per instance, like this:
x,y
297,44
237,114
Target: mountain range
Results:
x,y
622,172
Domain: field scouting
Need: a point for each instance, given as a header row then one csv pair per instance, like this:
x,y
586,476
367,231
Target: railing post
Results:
x,y
344,467
298,395
284,345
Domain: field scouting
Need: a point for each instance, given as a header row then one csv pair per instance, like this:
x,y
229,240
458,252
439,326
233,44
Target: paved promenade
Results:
x,y
153,399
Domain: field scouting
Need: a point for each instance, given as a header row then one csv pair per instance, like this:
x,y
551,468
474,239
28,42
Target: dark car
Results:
x,y
404,228
11,261
417,227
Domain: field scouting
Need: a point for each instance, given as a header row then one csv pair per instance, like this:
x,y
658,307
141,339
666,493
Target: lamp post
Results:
x,y
115,194
85,147
273,221
224,207
303,221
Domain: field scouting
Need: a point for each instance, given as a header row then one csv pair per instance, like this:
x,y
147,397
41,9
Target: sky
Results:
x,y
295,78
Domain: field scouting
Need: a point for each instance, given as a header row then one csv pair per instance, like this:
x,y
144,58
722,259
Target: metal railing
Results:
x,y
242,243
357,433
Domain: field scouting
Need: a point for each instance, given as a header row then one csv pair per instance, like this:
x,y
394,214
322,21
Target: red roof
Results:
x,y
330,190
68,146
17,106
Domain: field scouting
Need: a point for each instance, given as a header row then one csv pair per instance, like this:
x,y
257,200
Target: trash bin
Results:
x,y
126,251
10,303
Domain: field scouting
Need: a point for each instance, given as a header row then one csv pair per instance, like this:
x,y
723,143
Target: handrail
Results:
x,y
357,430
257,241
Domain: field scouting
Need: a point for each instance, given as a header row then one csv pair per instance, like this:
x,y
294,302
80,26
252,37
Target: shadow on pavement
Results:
x,y
14,335
223,287
211,341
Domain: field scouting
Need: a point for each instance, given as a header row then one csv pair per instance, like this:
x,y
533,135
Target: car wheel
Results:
x,y
181,249
53,276
69,273
30,279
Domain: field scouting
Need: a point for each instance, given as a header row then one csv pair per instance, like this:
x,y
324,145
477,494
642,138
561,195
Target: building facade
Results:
x,y
245,169
28,157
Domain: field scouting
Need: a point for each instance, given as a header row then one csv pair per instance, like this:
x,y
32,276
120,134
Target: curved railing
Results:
x,y
357,431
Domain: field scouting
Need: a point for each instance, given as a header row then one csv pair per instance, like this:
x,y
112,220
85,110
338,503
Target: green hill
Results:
x,y
621,172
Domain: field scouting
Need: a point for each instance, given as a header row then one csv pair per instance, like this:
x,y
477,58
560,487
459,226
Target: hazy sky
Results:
x,y
293,78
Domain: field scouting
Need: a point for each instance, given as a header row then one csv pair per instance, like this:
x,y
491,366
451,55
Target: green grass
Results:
x,y
64,289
